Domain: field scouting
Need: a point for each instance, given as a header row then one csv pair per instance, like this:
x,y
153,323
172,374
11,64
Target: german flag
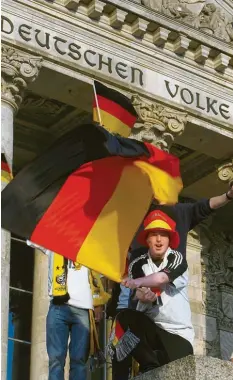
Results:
x,y
6,175
85,197
117,331
121,343
116,110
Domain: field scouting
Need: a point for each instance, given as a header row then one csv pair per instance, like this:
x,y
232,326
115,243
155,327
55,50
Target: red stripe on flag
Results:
x,y
157,291
5,166
116,110
163,160
119,332
63,229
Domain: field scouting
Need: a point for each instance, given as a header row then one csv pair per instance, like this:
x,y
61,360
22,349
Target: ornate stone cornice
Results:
x,y
225,172
154,28
157,124
18,69
171,26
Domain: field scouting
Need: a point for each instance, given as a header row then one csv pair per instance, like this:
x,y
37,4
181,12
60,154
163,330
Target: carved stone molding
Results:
x,y
157,124
18,69
193,240
181,32
202,15
225,172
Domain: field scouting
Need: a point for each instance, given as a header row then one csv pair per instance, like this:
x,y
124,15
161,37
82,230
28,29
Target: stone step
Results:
x,y
192,368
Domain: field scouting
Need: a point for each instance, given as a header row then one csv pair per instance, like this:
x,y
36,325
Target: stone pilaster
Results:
x,y
39,358
157,124
195,290
17,69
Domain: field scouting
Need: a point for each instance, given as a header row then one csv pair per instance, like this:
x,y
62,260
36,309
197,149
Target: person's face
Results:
x,y
158,242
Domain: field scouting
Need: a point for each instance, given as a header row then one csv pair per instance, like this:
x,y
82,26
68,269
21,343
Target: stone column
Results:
x,y
39,359
157,124
18,69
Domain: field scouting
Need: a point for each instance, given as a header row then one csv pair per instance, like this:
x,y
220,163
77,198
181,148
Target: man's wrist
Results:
x,y
229,197
139,282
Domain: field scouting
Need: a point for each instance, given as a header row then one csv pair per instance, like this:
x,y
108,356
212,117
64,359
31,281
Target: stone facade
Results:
x,y
191,368
174,59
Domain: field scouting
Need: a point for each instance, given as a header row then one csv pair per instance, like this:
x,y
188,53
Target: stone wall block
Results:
x,y
117,18
192,368
201,54
221,62
139,27
72,5
181,44
95,9
160,36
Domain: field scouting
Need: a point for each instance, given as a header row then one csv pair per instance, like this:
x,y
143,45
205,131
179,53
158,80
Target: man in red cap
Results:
x,y
160,330
187,216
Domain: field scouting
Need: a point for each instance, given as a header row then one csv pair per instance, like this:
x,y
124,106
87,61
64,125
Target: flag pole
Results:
x,y
97,104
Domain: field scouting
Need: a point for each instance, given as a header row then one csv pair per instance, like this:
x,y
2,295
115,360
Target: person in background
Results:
x,y
76,304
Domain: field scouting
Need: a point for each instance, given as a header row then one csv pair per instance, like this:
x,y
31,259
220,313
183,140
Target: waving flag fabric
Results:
x,y
85,197
116,110
6,175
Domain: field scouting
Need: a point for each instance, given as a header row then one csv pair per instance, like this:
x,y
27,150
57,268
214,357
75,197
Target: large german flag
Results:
x,y
86,196
6,175
116,110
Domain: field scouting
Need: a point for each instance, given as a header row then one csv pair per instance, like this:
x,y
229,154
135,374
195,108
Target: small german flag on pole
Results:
x,y
6,175
113,110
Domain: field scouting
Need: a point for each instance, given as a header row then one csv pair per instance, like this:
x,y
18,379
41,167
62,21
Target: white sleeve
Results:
x,y
181,281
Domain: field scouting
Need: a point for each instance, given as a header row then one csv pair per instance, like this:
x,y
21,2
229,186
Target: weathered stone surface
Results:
x,y
157,124
192,368
18,69
201,14
39,370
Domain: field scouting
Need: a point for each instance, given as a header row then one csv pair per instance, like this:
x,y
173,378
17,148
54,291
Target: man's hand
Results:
x,y
130,283
98,311
222,200
146,295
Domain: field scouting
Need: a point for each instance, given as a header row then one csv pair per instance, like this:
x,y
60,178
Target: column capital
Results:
x,y
17,69
157,124
225,172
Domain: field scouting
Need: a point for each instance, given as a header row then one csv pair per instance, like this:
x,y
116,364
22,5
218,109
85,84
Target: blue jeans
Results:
x,y
62,321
